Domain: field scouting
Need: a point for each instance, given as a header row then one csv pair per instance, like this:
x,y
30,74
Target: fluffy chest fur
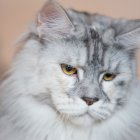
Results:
x,y
123,125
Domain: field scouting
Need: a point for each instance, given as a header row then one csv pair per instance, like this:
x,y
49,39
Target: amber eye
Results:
x,y
109,76
68,69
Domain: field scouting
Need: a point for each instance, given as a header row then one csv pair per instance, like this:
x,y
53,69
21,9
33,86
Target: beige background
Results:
x,y
15,16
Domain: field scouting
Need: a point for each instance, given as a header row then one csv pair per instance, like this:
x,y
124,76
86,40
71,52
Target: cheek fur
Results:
x,y
66,82
114,89
63,81
69,106
109,88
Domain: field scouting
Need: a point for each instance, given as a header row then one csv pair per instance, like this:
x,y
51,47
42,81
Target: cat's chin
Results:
x,y
83,120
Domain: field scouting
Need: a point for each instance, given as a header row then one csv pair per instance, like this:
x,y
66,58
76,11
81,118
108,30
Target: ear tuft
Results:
x,y
53,22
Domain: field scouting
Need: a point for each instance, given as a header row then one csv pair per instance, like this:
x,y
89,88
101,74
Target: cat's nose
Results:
x,y
90,101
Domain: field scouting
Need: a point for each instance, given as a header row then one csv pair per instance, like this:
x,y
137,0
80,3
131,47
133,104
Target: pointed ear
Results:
x,y
53,22
130,39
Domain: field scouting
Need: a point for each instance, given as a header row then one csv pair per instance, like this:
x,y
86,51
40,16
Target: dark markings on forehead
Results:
x,y
95,48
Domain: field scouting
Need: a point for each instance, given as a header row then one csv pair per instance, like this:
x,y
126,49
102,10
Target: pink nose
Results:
x,y
90,101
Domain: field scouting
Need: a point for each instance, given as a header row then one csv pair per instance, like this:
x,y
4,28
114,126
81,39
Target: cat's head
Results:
x,y
81,73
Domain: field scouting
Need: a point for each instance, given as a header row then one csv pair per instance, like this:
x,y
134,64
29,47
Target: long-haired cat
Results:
x,y
73,79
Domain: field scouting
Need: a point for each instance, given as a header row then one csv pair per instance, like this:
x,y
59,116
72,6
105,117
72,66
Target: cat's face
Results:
x,y
83,79
82,88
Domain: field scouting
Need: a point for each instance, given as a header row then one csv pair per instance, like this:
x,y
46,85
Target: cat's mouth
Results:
x,y
69,108
77,108
85,119
95,116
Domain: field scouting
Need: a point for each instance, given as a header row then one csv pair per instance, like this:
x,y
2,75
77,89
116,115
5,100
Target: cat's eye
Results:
x,y
68,69
109,76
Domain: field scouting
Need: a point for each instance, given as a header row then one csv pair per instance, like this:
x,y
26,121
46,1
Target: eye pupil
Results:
x,y
108,75
69,68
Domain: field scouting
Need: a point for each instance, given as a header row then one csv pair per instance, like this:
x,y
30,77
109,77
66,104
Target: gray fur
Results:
x,y
39,102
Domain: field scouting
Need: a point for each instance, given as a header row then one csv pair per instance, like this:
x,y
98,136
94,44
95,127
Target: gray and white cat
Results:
x,y
73,79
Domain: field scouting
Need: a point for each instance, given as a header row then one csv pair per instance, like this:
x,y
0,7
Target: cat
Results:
x,y
73,79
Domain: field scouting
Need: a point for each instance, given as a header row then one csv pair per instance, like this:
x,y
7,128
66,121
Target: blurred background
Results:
x,y
16,16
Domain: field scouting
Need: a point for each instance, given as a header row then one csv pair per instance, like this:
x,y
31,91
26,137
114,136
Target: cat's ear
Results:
x,y
130,36
53,22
